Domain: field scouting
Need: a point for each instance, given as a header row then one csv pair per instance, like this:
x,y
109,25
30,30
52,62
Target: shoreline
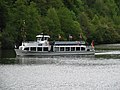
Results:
x,y
107,47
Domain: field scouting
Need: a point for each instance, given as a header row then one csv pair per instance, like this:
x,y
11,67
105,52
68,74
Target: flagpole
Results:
x,y
80,37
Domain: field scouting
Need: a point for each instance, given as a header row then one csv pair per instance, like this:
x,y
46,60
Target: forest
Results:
x,y
97,20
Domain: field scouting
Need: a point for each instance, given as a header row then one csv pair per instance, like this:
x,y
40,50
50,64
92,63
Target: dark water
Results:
x,y
93,72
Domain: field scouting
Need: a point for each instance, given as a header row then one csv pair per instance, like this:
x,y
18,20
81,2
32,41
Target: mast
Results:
x,y
23,32
42,36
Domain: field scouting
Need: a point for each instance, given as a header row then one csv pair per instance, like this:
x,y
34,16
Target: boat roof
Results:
x,y
43,36
69,42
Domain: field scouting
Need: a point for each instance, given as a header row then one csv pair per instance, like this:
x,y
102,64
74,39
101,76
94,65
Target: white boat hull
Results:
x,y
23,53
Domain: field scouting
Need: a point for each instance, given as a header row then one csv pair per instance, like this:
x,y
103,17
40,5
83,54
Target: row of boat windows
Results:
x,y
36,48
56,48
69,48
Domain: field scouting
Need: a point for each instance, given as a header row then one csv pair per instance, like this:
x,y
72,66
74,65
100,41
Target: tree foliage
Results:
x,y
93,19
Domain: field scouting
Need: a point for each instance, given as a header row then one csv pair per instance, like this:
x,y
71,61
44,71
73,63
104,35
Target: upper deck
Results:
x,y
42,40
68,43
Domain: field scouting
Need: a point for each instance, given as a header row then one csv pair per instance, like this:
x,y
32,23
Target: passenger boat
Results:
x,y
43,47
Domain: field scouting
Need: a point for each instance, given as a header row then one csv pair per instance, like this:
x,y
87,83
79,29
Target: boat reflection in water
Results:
x,y
81,60
51,59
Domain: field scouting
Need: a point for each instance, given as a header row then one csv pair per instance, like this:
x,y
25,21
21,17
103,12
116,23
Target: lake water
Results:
x,y
96,72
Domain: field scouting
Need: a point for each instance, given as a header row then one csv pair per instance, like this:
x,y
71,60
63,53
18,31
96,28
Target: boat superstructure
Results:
x,y
43,47
42,44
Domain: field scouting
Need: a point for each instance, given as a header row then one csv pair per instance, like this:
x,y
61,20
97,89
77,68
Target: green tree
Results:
x,y
54,23
3,15
106,35
55,3
68,25
74,5
113,8
94,19
22,17
33,21
86,25
44,5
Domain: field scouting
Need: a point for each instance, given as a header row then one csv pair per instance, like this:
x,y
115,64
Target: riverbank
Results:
x,y
107,47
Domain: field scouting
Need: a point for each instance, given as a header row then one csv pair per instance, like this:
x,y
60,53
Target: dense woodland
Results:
x,y
97,20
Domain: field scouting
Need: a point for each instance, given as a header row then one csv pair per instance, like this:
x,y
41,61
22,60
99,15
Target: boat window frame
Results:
x,y
57,49
78,49
73,49
62,49
26,48
39,44
31,49
39,49
39,39
67,48
45,48
82,49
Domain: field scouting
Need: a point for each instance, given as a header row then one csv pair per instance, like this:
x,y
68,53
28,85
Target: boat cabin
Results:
x,y
69,46
42,38
41,45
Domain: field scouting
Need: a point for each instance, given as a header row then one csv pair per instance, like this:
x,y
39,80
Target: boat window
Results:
x,y
77,48
61,48
39,44
72,48
33,48
20,48
27,48
38,39
43,38
46,38
67,48
88,49
82,48
39,48
56,48
45,49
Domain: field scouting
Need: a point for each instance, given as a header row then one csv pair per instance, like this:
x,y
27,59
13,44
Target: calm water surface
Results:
x,y
99,72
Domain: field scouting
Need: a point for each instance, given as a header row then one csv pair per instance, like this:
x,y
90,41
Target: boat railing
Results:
x,y
29,42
